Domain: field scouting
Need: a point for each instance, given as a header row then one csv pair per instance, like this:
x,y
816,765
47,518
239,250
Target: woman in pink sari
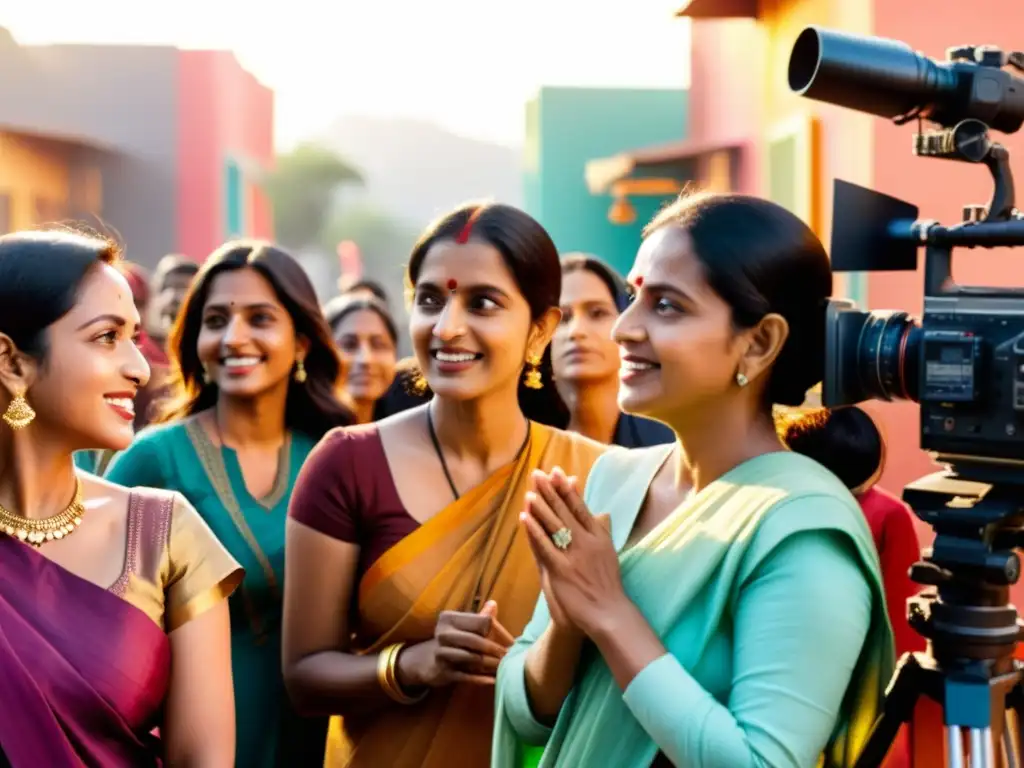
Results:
x,y
113,612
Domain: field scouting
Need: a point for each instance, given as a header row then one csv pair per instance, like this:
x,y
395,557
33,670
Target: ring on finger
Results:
x,y
562,538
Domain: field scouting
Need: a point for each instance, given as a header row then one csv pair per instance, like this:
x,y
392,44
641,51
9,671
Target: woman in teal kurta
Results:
x,y
256,372
184,457
730,614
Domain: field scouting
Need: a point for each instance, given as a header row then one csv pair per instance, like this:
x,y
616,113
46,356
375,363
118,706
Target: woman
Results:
x,y
89,569
586,358
407,575
368,342
254,375
702,651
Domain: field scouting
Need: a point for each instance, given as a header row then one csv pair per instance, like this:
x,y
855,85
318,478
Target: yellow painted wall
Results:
x,y
33,171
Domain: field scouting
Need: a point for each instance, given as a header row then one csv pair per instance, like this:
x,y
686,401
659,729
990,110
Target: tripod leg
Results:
x,y
982,748
898,709
954,747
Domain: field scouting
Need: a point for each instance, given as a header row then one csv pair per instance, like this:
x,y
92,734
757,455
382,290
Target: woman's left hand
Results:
x,y
584,577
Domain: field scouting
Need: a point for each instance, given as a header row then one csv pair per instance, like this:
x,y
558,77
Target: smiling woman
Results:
x,y
121,568
254,376
407,574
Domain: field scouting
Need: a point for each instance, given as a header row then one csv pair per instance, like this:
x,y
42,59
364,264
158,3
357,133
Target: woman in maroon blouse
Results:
x,y
407,574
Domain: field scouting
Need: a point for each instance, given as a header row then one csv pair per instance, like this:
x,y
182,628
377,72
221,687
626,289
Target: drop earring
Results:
x,y
741,379
300,372
19,413
207,377
532,378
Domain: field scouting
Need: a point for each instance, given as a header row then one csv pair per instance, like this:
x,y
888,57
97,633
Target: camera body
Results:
x,y
964,364
964,361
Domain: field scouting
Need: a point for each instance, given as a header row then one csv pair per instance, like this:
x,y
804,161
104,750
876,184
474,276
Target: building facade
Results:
x,y
566,127
159,146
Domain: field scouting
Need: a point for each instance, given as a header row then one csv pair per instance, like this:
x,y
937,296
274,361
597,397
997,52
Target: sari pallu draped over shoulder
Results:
x,y
83,673
710,543
470,552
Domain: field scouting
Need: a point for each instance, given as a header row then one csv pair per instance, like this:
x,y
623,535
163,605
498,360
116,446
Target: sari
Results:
x,y
684,576
84,671
472,551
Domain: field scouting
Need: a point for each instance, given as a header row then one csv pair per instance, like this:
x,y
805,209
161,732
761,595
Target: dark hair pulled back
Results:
x,y
762,259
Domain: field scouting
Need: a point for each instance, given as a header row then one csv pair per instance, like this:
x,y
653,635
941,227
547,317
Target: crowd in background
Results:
x,y
355,548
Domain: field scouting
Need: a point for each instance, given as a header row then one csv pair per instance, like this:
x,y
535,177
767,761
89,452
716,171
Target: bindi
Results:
x,y
453,284
639,281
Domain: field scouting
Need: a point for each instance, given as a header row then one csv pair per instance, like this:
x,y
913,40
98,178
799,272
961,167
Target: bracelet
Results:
x,y
387,661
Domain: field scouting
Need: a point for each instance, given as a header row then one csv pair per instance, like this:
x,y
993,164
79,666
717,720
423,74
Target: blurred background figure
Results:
x,y
849,443
585,358
171,281
140,281
367,340
367,289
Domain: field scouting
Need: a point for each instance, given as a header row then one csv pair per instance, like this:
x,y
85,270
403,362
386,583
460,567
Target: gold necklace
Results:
x,y
38,532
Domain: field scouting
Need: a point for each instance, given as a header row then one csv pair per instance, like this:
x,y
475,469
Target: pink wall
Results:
x,y
224,112
724,99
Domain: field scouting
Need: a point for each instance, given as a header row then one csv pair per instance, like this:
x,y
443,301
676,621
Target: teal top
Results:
x,y
181,457
764,588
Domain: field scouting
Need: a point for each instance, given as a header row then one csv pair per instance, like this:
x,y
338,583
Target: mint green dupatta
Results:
x,y
682,576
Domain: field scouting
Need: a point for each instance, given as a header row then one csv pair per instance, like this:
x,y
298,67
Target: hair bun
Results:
x,y
801,364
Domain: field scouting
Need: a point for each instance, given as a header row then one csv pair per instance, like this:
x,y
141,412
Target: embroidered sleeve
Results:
x,y
199,571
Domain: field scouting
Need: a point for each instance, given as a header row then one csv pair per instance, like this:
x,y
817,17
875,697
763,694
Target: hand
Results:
x,y
582,583
466,648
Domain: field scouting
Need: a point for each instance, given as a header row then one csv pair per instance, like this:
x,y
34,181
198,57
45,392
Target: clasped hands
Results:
x,y
581,580
466,648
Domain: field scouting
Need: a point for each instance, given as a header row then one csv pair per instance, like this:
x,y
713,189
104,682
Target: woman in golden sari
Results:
x,y
406,572
113,609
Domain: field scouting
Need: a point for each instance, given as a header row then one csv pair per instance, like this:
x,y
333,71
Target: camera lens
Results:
x,y
887,356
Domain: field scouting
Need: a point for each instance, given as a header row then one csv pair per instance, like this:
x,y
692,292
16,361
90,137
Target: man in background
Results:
x,y
171,281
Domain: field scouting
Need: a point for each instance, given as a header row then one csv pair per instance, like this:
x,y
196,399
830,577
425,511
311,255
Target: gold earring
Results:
x,y
300,372
532,377
741,378
19,413
207,376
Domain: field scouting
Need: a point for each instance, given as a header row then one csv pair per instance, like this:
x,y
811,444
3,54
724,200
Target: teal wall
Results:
x,y
567,127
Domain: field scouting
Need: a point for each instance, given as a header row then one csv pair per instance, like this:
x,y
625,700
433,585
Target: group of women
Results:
x,y
482,578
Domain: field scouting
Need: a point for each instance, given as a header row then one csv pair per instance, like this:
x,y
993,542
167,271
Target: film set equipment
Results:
x,y
963,363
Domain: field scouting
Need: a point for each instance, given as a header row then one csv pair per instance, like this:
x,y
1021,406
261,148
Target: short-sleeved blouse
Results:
x,y
346,491
175,568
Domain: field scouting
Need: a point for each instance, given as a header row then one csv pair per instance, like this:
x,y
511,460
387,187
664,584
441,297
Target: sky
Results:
x,y
468,65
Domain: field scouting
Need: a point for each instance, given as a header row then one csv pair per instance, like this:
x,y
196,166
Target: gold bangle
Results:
x,y
387,676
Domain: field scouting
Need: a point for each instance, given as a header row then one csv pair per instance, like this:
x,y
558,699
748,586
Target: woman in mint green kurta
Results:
x,y
731,615
254,393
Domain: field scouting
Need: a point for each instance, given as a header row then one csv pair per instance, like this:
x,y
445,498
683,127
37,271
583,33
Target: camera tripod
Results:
x,y
971,627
